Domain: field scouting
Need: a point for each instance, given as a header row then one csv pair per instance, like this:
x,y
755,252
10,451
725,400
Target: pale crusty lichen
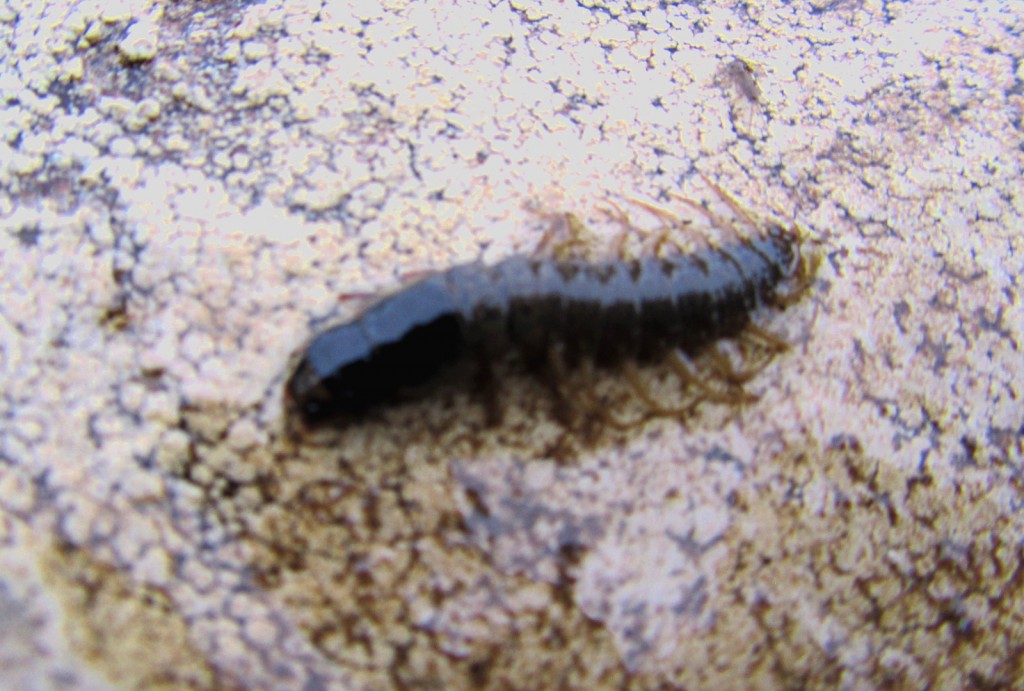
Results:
x,y
186,187
140,41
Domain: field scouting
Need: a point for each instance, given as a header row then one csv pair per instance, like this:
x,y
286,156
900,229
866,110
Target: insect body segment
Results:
x,y
603,313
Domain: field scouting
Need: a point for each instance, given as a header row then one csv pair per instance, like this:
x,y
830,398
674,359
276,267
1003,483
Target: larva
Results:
x,y
602,313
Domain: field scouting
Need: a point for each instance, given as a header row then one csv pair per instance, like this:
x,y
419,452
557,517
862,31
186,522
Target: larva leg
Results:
x,y
715,220
662,236
668,234
725,369
804,268
690,378
575,241
719,221
741,211
603,412
758,348
636,383
732,202
567,405
626,227
766,338
659,212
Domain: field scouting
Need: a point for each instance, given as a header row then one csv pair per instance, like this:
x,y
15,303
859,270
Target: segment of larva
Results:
x,y
552,314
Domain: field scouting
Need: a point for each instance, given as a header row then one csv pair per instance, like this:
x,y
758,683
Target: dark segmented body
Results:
x,y
603,311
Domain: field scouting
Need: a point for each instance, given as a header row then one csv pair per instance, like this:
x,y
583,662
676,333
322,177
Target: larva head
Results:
x,y
392,349
334,378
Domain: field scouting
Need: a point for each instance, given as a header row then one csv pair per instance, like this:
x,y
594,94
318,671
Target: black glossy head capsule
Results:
x,y
401,343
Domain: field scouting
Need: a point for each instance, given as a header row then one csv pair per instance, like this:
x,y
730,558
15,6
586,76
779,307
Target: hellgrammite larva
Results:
x,y
554,314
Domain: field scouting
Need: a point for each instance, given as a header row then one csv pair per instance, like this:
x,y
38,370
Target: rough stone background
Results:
x,y
188,189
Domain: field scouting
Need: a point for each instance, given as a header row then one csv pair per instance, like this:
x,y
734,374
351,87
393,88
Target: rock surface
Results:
x,y
189,189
